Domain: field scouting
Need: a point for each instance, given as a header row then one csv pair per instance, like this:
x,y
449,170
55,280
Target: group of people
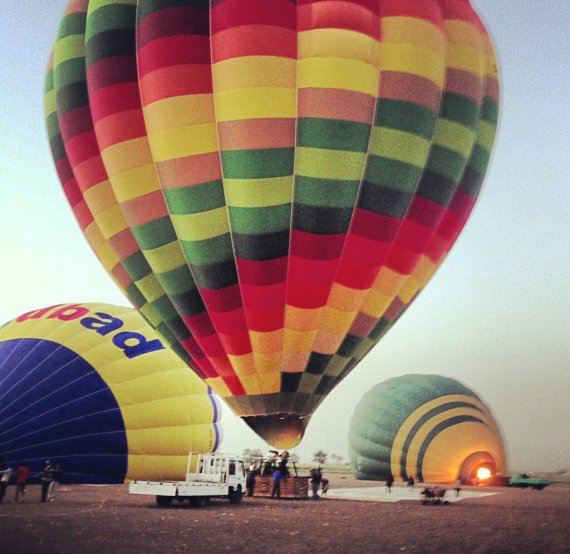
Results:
x,y
410,483
275,466
50,478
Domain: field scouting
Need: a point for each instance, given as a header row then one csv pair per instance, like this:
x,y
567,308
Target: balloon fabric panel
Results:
x,y
93,388
275,180
428,427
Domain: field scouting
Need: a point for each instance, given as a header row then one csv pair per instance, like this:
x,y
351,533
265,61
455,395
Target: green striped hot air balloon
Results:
x,y
272,182
431,428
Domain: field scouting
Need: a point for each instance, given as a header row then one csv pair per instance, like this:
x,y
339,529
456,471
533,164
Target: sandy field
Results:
x,y
106,520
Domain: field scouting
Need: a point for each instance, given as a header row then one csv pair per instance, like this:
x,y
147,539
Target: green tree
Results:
x,y
320,457
249,454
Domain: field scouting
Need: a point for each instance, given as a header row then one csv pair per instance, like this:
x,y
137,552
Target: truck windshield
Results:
x,y
232,468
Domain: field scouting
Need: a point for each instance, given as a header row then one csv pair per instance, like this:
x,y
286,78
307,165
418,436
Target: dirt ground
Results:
x,y
106,520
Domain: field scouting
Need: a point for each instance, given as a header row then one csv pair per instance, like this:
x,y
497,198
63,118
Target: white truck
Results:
x,y
214,475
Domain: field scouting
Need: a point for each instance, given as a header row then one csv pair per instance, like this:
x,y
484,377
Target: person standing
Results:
x,y
5,476
46,477
276,489
324,486
316,478
389,482
56,478
457,486
22,481
250,480
411,483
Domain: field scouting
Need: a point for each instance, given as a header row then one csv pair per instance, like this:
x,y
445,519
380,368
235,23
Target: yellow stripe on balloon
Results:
x,y
399,145
178,111
111,221
416,415
398,29
338,43
150,287
254,71
179,142
328,164
466,58
255,103
254,193
409,58
166,257
201,225
124,156
338,73
454,136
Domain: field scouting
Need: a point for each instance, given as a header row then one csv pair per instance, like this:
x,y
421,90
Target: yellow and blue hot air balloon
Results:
x,y
93,388
431,428
271,183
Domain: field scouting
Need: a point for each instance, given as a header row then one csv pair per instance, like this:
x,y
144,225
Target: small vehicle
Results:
x,y
215,475
523,481
433,495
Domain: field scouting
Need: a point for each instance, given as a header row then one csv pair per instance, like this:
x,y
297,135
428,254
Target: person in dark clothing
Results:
x,y
21,482
250,480
56,478
324,486
411,483
46,477
316,478
389,483
276,489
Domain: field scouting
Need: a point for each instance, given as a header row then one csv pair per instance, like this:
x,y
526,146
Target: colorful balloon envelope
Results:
x,y
428,427
271,182
93,388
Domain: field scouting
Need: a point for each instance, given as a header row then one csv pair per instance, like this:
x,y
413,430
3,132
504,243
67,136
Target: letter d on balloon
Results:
x,y
142,345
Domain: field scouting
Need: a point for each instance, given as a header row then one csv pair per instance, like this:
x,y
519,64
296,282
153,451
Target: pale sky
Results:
x,y
497,315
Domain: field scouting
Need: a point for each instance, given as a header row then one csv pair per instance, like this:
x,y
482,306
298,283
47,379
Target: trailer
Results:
x,y
207,476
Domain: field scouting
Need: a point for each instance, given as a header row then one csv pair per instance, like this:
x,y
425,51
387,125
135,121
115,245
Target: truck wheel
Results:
x,y
235,495
164,500
199,501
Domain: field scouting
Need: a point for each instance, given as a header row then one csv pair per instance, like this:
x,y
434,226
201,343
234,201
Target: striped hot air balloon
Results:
x,y
428,427
271,182
93,388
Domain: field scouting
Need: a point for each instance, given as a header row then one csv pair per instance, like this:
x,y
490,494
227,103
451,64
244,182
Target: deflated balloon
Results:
x,y
271,182
94,389
428,427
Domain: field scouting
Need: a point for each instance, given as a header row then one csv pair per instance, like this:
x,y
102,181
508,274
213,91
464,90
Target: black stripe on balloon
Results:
x,y
215,276
471,182
290,381
383,200
115,42
57,148
318,363
422,421
261,247
379,328
188,303
179,329
437,188
326,384
438,429
321,220
349,345
72,97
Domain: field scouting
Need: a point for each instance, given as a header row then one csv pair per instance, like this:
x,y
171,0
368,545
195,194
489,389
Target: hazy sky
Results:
x,y
497,316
